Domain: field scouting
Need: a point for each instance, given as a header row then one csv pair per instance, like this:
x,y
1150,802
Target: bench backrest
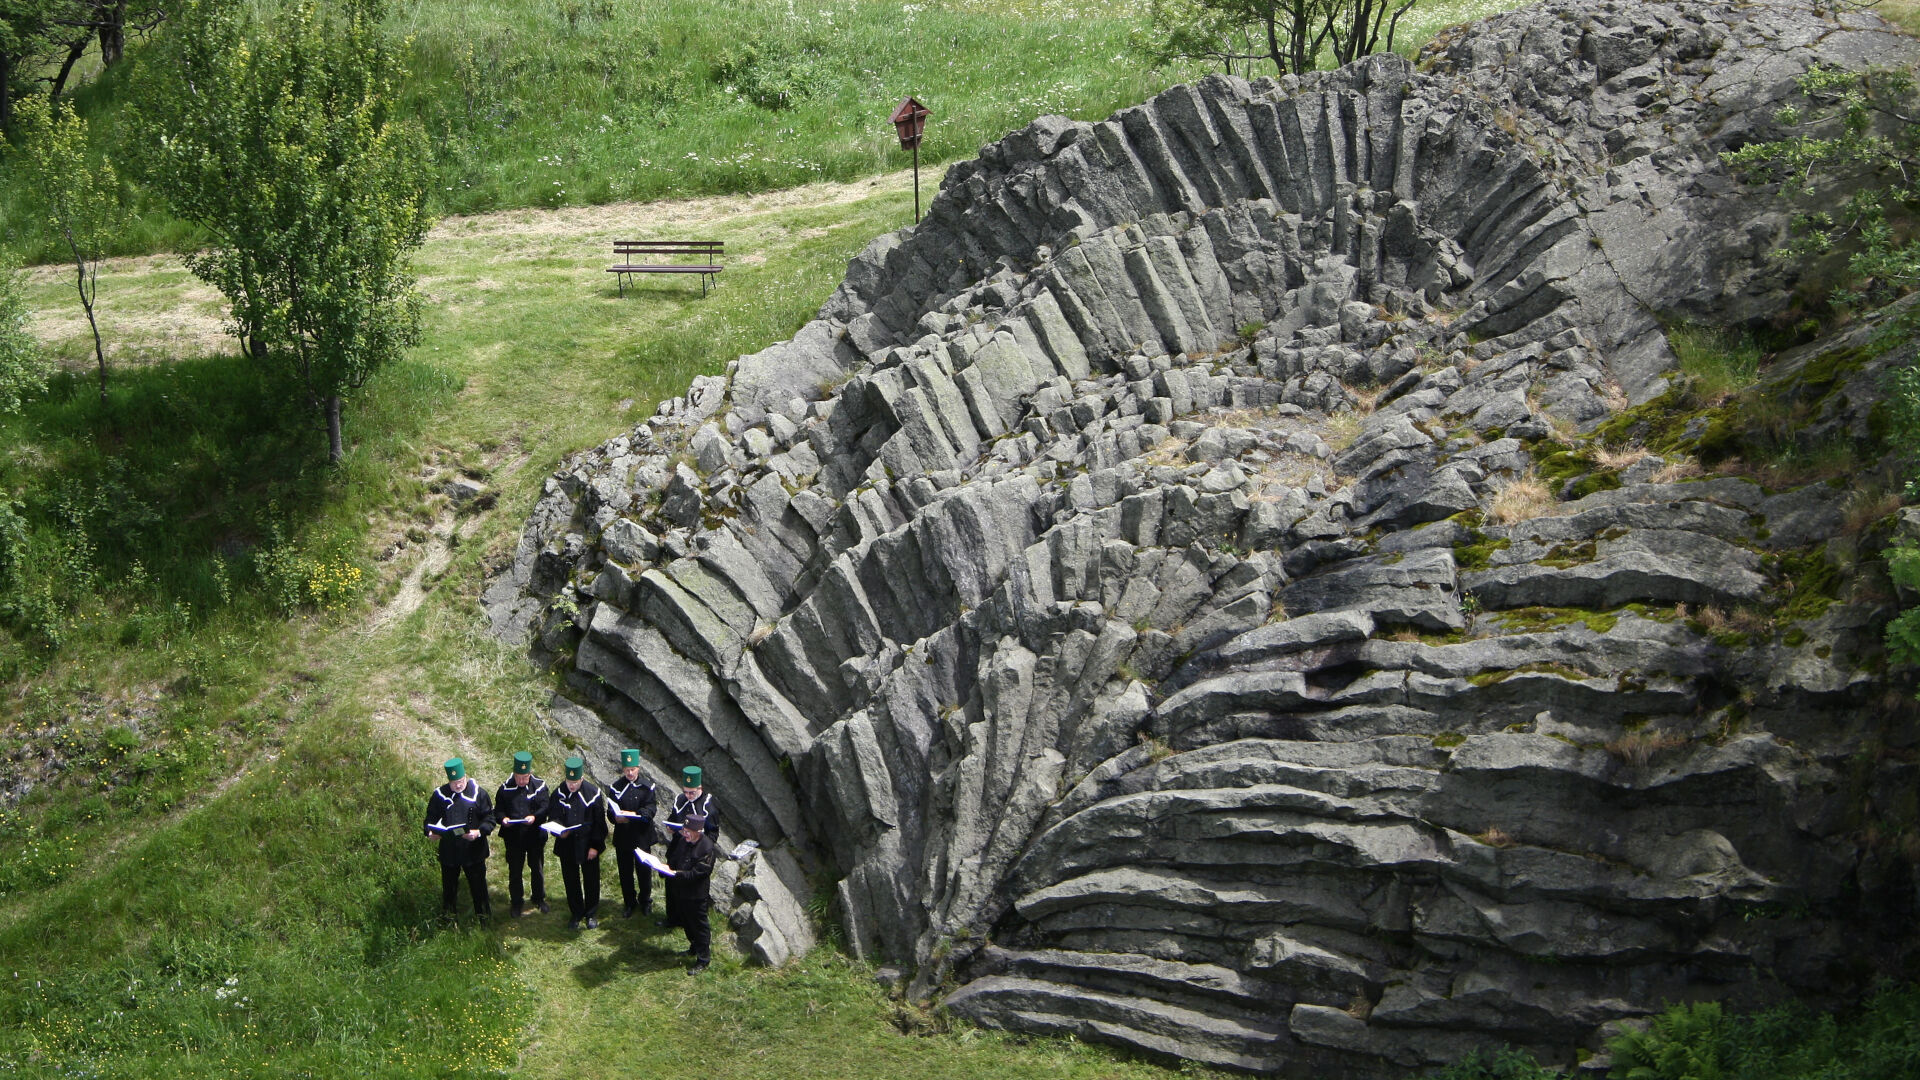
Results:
x,y
710,249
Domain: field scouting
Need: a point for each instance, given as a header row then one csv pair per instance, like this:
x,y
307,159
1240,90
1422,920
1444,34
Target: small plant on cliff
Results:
x,y
1853,125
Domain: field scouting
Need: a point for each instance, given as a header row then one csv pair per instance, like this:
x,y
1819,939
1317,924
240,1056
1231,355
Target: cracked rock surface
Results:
x,y
1116,591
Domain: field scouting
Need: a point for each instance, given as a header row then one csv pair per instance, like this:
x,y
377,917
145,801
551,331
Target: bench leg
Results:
x,y
622,279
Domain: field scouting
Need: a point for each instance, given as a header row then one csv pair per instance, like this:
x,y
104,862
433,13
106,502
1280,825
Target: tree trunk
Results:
x,y
86,301
1273,44
74,52
334,451
6,92
113,31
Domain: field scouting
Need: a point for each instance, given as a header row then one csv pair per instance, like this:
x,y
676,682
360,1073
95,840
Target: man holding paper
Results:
x,y
693,801
689,891
630,806
461,816
520,804
579,830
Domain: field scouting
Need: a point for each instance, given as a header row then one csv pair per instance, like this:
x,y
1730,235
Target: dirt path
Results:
x,y
152,309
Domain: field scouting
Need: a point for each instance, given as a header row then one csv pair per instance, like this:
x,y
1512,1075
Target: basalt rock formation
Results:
x,y
1198,589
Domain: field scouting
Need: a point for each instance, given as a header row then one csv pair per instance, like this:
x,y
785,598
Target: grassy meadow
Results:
x,y
549,103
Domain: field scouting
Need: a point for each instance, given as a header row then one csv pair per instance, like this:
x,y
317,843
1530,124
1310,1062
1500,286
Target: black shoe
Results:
x,y
517,912
699,965
573,924
543,906
646,909
628,913
664,924
593,923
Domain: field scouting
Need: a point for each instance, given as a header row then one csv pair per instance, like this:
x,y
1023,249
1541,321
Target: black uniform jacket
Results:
x,y
636,797
690,861
580,812
459,811
704,806
515,801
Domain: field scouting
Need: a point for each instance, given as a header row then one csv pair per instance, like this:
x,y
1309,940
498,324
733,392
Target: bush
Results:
x,y
23,368
1791,1042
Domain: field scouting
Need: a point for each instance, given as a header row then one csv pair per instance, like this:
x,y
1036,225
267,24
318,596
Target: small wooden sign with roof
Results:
x,y
910,122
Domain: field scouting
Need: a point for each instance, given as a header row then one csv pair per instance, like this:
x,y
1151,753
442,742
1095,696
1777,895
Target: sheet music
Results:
x,y
556,828
651,860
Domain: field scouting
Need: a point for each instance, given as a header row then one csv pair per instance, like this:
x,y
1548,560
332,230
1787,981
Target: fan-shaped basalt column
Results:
x,y
1086,590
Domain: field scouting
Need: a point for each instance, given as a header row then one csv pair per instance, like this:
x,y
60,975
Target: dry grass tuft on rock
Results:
x,y
1637,748
1521,499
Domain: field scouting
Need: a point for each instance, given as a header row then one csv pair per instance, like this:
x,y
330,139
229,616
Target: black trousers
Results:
x,y
526,853
476,885
582,877
688,902
636,880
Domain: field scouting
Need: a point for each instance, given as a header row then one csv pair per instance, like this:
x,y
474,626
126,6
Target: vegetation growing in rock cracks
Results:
x,y
1703,1041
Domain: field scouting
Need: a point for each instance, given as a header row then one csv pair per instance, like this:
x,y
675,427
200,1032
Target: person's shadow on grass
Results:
x,y
640,949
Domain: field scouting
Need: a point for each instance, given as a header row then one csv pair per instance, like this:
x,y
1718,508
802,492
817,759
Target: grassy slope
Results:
x,y
572,102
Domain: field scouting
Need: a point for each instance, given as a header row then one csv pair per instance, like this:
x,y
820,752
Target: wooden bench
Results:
x,y
667,257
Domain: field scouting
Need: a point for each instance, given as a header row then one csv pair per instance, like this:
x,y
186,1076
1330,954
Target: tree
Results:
x,y
282,138
81,196
1850,155
106,20
26,29
23,369
1290,34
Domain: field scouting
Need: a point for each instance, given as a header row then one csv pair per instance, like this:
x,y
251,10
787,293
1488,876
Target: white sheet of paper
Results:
x,y
746,846
650,859
554,827
441,826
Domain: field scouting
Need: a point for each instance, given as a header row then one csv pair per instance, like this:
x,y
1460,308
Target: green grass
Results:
x,y
1717,363
573,102
577,102
1879,1041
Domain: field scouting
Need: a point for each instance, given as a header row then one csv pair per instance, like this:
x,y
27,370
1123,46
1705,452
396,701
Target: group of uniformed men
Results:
x,y
527,812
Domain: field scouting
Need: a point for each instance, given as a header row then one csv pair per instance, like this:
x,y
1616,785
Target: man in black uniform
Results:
x,y
693,799
461,815
690,892
520,806
580,833
630,805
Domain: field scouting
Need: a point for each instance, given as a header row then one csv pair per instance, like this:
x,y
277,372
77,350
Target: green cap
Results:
x,y
629,759
455,768
523,762
575,767
690,776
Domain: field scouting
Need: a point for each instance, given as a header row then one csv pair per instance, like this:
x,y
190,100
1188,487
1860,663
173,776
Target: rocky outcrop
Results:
x,y
1124,591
